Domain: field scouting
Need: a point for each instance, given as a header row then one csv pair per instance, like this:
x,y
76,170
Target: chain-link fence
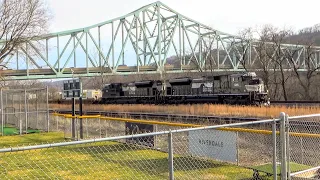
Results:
x,y
211,152
125,148
253,142
305,145
115,125
24,111
96,126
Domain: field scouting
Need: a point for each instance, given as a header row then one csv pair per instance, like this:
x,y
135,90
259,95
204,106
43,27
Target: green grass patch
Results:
x,y
8,131
267,168
106,160
31,139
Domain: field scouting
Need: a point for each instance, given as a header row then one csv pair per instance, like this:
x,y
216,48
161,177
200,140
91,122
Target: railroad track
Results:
x,y
289,103
296,103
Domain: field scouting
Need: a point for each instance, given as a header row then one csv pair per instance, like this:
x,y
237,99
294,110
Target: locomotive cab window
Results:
x,y
235,79
254,81
246,78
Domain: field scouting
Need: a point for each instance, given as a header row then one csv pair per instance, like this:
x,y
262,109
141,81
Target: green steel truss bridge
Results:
x,y
152,39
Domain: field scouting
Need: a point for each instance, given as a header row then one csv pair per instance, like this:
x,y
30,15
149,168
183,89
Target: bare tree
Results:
x,y
262,61
242,47
22,84
263,58
305,79
210,54
275,52
20,22
257,43
271,54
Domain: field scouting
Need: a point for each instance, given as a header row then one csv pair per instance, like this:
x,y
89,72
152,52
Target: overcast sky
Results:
x,y
229,16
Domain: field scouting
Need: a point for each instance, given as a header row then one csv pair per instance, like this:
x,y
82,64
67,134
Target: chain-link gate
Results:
x,y
24,111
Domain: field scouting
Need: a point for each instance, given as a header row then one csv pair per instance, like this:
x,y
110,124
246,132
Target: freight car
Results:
x,y
239,88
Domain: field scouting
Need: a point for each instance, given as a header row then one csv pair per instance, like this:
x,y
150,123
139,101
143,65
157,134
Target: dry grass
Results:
x,y
202,109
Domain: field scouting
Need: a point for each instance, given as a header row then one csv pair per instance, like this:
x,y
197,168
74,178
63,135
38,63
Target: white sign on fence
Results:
x,y
219,145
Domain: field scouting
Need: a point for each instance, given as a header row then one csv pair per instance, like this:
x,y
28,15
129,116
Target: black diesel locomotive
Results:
x,y
240,88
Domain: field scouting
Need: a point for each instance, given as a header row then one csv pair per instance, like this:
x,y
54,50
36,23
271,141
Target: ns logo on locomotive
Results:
x,y
239,88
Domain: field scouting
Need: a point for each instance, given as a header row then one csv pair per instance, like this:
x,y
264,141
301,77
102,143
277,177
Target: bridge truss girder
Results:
x,y
139,42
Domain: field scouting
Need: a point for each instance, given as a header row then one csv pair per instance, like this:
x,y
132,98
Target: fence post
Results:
x,y
73,125
237,141
26,109
274,142
87,127
170,156
155,137
6,113
2,109
20,119
37,110
65,126
57,121
99,127
301,149
283,146
80,120
287,126
48,113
